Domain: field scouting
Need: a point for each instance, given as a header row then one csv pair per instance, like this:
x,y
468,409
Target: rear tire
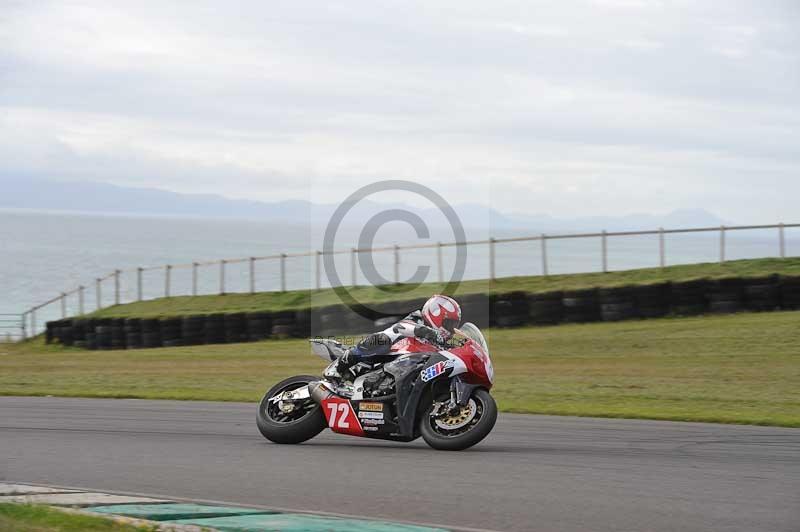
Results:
x,y
478,428
280,428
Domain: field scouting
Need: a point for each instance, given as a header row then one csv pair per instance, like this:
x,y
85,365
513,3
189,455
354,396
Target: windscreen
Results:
x,y
471,331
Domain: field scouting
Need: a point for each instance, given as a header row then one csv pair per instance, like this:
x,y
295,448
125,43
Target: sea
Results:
x,y
43,254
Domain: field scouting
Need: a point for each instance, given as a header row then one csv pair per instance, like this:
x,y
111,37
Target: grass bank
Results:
x,y
272,301
742,368
34,518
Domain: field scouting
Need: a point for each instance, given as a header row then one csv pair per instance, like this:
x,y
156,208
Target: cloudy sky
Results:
x,y
585,107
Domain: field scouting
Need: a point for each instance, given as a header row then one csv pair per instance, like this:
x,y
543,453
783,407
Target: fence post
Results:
x,y
353,267
99,293
33,322
662,258
81,309
252,275
439,261
604,240
24,325
782,239
139,283
544,254
283,272
396,264
222,277
492,243
316,268
721,244
167,279
116,287
63,305
194,278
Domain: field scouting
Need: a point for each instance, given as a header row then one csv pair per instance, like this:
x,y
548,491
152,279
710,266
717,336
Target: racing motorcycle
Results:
x,y
439,394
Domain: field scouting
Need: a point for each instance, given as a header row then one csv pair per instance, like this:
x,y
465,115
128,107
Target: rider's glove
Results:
x,y
430,334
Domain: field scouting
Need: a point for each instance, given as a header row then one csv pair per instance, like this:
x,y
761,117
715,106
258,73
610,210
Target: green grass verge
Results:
x,y
743,368
35,518
270,301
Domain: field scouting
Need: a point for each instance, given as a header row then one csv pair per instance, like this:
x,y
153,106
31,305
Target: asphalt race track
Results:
x,y
535,473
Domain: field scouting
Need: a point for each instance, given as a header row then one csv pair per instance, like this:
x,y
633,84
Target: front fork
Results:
x,y
460,392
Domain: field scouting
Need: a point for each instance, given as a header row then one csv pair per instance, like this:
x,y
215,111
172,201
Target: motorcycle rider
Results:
x,y
434,323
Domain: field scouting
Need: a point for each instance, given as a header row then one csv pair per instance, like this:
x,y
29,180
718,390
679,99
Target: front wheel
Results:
x,y
464,429
290,423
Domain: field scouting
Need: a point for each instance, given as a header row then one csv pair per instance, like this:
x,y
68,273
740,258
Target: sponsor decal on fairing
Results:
x,y
434,371
372,407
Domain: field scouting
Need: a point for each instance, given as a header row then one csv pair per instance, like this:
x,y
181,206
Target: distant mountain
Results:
x,y
113,199
107,198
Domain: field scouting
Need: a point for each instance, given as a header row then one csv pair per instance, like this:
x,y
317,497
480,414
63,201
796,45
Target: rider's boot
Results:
x,y
345,362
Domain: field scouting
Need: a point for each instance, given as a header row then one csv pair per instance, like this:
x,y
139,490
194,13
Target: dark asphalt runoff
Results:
x,y
537,473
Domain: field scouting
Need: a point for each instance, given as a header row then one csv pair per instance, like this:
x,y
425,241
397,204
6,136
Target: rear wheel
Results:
x,y
290,422
471,424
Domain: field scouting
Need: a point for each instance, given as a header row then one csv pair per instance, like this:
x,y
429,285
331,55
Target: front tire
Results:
x,y
470,426
295,427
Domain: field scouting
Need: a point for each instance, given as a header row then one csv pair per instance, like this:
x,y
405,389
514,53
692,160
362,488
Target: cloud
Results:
x,y
605,107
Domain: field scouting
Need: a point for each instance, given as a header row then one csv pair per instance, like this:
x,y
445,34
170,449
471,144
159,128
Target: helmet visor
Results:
x,y
450,325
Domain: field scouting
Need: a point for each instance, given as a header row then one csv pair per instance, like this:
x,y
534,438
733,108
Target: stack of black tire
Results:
x,y
689,298
617,304
151,333
476,308
193,330
79,329
259,326
581,306
172,332
502,310
790,293
510,310
546,308
725,296
133,333
214,332
762,294
652,300
282,324
103,333
235,328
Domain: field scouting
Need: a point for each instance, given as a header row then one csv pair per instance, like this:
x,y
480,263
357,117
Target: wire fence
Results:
x,y
108,290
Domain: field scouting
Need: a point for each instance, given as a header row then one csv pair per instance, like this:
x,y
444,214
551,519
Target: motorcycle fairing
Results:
x,y
341,416
407,371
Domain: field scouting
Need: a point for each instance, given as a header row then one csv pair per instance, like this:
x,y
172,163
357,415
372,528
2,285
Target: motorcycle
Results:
x,y
439,394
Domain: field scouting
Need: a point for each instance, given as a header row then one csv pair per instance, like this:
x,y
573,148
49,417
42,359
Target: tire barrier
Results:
x,y
172,332
151,332
193,330
652,300
512,309
214,330
133,333
546,308
259,326
509,310
725,296
617,304
475,308
790,293
689,298
762,294
581,306
235,328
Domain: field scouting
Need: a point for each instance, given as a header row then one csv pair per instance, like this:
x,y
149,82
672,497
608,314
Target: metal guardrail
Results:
x,y
12,327
28,323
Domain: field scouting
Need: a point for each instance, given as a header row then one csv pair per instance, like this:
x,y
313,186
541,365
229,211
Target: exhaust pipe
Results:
x,y
319,392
